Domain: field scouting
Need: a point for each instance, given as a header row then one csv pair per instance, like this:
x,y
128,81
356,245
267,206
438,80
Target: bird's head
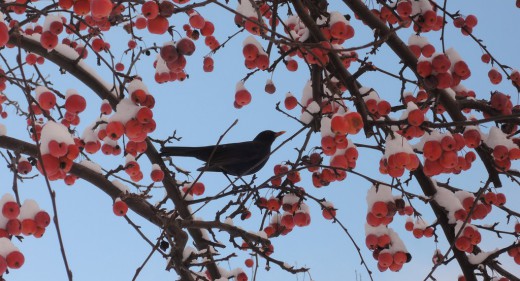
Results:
x,y
268,136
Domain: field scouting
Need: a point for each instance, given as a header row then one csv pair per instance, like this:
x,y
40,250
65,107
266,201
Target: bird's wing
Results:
x,y
238,153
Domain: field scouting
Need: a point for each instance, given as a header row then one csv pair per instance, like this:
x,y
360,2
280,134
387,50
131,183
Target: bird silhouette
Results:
x,y
236,159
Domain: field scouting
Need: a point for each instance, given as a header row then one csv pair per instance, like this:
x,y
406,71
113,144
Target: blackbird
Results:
x,y
237,159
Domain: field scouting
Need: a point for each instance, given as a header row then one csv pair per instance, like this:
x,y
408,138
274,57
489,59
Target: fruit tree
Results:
x,y
400,158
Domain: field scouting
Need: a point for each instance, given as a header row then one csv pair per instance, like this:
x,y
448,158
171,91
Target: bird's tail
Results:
x,y
181,151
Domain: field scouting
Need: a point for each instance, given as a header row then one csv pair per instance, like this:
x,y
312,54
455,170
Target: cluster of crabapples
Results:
x,y
414,117
15,220
336,30
133,118
446,70
58,152
514,252
254,54
74,105
342,152
400,12
171,67
171,61
388,249
399,156
246,16
419,229
99,14
466,24
295,213
3,98
504,149
481,208
281,171
376,106
440,151
196,188
382,212
468,239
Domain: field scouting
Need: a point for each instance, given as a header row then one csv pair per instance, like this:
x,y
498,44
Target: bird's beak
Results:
x,y
279,133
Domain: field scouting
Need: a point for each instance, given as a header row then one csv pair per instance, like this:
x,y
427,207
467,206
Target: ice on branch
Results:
x,y
453,55
325,127
311,109
397,144
54,131
135,85
28,210
6,247
7,197
126,109
369,94
448,200
121,186
187,252
434,135
252,40
480,257
160,66
416,40
420,6
381,193
246,9
397,244
497,137
95,167
49,19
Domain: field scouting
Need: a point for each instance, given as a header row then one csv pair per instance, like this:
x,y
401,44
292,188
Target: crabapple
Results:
x,y
14,227
47,100
157,175
24,167
120,208
11,210
75,103
42,219
249,262
28,227
441,63
287,221
494,76
100,8
197,21
371,241
415,117
432,150
15,259
198,188
185,46
150,9
329,213
242,97
157,25
290,101
379,209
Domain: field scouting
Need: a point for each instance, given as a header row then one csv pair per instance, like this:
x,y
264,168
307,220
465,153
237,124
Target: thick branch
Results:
x,y
101,90
409,59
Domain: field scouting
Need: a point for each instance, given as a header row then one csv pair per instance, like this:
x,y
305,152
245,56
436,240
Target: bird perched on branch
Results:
x,y
236,159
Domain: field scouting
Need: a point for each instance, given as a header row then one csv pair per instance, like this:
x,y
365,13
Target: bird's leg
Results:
x,y
232,182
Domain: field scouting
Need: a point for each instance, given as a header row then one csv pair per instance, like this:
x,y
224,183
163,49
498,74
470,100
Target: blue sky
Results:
x,y
101,246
